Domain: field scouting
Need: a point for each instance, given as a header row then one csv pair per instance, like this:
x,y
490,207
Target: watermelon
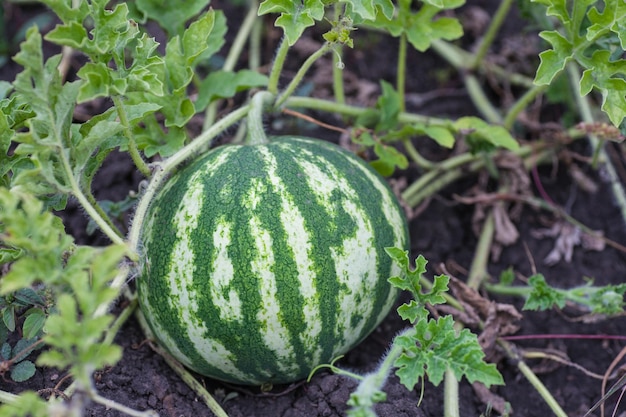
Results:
x,y
262,261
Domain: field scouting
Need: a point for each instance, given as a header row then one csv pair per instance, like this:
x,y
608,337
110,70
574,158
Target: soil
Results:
x,y
443,232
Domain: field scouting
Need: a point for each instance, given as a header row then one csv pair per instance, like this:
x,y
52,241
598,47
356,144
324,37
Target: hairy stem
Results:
x,y
132,145
277,66
297,79
256,132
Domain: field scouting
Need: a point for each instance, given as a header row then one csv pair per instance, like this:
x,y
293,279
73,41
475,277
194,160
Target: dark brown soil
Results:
x,y
443,234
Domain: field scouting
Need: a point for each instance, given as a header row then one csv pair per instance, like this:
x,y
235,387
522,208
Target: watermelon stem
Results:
x,y
256,131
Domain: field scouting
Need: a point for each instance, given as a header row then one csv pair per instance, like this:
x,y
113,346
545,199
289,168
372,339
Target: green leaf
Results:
x,y
423,26
542,296
368,10
171,16
433,346
23,371
484,136
388,159
23,348
225,84
38,233
8,317
389,106
295,16
35,319
553,61
29,297
5,351
410,279
607,76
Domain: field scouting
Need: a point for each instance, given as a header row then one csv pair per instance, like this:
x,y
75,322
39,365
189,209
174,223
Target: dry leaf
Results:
x,y
567,237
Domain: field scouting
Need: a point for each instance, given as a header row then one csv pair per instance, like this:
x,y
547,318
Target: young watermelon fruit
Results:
x,y
263,261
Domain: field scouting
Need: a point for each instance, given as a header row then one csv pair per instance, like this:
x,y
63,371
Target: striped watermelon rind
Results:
x,y
261,262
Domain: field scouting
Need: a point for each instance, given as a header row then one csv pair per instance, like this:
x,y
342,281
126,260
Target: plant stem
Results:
x,y
165,168
461,60
132,145
521,104
451,395
234,53
478,269
599,150
110,404
419,160
532,378
490,35
338,87
7,397
106,227
301,72
355,111
401,71
480,100
277,66
256,133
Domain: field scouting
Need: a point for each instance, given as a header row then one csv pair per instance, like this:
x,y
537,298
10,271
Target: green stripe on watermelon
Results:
x,y
264,261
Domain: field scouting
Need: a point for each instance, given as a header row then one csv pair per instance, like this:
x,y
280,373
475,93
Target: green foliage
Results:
x,y
423,26
171,16
608,299
593,34
432,346
74,330
483,137
429,347
225,84
295,16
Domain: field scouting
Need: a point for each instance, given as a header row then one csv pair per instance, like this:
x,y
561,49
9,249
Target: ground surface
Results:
x,y
443,233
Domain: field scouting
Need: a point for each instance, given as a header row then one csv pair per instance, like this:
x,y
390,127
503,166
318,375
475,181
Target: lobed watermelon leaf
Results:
x,y
583,28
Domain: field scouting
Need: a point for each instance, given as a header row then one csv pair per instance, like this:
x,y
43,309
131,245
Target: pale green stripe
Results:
x,y
299,240
274,333
229,306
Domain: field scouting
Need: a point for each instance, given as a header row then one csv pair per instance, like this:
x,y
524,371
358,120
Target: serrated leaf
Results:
x,y
370,9
422,26
388,159
23,371
607,76
434,346
295,16
553,61
542,296
411,311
